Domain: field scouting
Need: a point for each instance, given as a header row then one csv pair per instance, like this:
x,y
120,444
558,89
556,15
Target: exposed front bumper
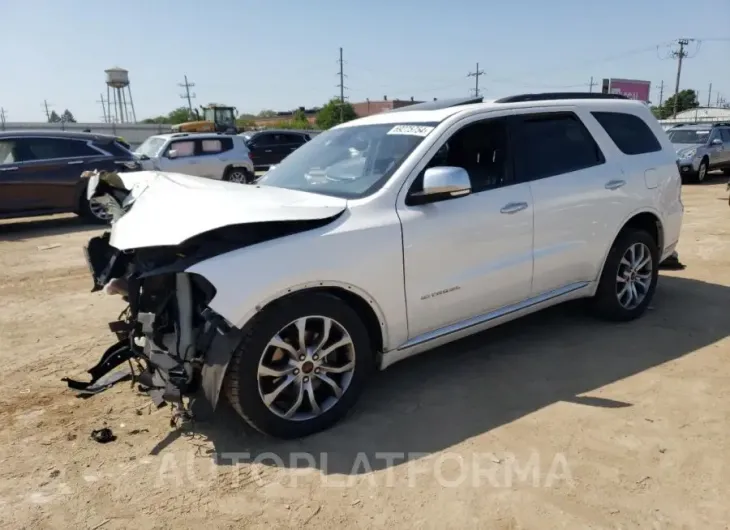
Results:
x,y
176,347
688,166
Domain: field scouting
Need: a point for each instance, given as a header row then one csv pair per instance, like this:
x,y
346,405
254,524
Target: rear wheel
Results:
x,y
629,277
238,174
300,367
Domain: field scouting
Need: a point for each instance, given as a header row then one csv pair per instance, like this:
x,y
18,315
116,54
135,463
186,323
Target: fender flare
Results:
x,y
219,355
622,225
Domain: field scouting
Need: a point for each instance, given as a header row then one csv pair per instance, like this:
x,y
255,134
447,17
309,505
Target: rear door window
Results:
x,y
294,139
8,151
725,135
630,133
553,144
183,148
54,148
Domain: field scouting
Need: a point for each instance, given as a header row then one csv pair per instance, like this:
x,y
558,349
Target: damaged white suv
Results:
x,y
380,239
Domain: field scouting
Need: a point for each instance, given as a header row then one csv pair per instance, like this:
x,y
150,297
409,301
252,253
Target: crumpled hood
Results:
x,y
169,208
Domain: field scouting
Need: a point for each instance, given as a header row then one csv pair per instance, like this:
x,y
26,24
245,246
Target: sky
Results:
x,y
282,54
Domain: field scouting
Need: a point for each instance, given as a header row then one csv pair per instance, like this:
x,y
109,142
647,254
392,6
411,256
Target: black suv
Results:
x,y
270,147
40,171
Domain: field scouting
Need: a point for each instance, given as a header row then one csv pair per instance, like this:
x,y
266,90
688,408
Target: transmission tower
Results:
x,y
187,95
680,55
476,74
342,86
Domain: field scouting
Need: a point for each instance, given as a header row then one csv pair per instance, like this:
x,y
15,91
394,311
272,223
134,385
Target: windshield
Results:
x,y
350,162
150,147
686,136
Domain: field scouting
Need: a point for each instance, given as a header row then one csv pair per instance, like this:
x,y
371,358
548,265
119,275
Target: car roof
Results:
x,y
169,136
277,131
424,115
71,135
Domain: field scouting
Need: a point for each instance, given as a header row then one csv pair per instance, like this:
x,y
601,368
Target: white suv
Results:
x,y
211,155
450,218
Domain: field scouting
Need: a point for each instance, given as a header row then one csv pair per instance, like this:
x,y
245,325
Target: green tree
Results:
x,y
54,117
334,113
179,115
687,99
67,117
266,113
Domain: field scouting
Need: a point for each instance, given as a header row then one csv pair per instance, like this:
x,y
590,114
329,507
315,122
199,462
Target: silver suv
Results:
x,y
701,148
211,155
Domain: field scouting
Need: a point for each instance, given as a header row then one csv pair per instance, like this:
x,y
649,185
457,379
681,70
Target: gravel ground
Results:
x,y
559,421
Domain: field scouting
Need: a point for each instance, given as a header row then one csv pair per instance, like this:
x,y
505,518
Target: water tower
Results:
x,y
117,93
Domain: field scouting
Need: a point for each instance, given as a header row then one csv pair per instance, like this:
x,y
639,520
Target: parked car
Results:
x,y
41,171
270,146
211,155
451,219
701,148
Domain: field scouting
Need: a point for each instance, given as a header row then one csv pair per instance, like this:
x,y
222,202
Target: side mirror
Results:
x,y
441,183
716,141
172,154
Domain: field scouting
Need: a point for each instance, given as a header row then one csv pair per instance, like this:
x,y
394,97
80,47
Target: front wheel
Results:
x,y
300,367
238,174
93,212
702,172
629,277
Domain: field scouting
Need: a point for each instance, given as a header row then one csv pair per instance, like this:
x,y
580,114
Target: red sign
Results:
x,y
631,88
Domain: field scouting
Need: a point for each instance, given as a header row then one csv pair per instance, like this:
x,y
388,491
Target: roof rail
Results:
x,y
440,104
551,96
721,124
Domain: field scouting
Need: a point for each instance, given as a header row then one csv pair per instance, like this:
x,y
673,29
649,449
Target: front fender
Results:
x,y
368,263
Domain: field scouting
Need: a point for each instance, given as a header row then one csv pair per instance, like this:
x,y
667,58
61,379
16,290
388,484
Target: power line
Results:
x,y
187,95
680,55
476,74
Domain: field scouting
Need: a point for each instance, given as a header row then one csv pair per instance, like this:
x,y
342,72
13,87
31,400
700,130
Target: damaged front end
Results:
x,y
175,346
170,338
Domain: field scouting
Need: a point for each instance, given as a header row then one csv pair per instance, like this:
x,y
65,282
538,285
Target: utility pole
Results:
x,y
709,95
103,108
187,95
680,55
661,93
48,114
590,85
2,118
342,87
475,74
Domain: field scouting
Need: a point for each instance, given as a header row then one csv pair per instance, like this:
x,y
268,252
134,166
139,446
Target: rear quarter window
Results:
x,y
630,133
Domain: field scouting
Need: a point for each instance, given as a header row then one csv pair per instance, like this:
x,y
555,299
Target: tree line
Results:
x,y
65,117
328,116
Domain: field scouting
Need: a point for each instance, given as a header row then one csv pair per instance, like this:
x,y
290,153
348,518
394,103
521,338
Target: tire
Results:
x,y
606,303
238,174
245,389
92,215
701,175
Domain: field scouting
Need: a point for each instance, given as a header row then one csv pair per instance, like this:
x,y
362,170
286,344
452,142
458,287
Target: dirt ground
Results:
x,y
559,421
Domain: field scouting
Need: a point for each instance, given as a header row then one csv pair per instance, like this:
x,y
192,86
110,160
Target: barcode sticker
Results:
x,y
412,130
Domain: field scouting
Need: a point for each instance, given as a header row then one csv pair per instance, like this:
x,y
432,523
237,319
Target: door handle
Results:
x,y
615,184
75,162
8,168
513,207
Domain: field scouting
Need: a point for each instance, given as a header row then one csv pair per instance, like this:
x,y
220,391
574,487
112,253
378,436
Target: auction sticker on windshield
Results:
x,y
412,130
